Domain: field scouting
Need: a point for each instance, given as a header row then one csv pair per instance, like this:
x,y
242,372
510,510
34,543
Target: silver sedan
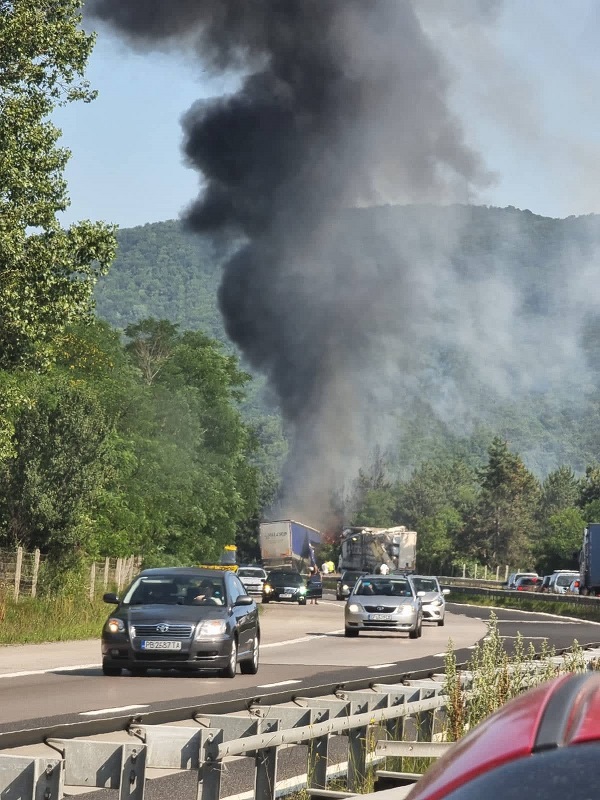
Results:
x,y
384,603
433,597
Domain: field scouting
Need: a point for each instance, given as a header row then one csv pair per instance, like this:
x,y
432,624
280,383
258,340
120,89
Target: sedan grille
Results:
x,y
164,630
381,609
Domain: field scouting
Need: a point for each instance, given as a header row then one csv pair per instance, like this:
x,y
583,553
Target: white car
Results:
x,y
253,578
433,598
561,580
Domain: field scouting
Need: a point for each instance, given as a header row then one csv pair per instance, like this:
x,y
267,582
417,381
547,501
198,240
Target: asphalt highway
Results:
x,y
43,686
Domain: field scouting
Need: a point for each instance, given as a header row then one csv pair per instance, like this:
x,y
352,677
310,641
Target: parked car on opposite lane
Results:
x,y
346,582
433,599
182,618
384,603
253,578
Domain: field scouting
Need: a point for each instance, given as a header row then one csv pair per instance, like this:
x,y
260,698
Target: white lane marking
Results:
x,y
557,617
45,671
381,666
439,655
29,673
280,683
301,639
109,710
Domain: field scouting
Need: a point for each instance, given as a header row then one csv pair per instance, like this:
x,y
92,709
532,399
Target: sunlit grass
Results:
x,y
531,604
58,619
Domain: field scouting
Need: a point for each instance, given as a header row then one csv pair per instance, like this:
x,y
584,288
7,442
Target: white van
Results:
x,y
561,579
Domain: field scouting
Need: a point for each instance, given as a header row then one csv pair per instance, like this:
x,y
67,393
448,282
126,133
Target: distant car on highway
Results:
x,y
561,579
511,583
182,618
253,578
289,585
346,582
434,598
527,583
384,603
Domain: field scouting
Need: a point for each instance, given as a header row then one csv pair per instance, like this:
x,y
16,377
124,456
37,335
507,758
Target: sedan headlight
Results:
x,y
405,609
437,602
267,588
115,625
302,590
211,627
355,608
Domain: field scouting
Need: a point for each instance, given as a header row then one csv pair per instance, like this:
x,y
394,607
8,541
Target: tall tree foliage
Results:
x,y
504,525
47,273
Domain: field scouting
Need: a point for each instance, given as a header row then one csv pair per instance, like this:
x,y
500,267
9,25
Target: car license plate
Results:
x,y
286,595
160,645
380,617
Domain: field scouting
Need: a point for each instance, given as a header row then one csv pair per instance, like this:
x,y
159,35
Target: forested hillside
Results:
x,y
164,271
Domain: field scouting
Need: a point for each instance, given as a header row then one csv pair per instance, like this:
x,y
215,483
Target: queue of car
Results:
x,y
561,581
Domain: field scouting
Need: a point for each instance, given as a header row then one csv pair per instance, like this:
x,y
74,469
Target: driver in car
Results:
x,y
204,594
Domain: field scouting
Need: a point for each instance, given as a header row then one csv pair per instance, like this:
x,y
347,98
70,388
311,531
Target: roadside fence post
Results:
x,y
464,570
485,573
18,566
36,569
498,572
475,576
92,580
506,573
106,571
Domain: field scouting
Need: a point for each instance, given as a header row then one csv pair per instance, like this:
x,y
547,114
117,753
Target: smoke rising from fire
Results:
x,y
342,105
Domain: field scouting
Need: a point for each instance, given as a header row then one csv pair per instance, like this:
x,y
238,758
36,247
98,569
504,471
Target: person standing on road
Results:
x,y
314,579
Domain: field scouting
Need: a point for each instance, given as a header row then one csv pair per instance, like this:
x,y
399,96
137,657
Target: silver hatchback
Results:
x,y
384,603
433,599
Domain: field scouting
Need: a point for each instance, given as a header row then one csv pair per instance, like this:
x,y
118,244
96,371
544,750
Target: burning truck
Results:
x,y
366,549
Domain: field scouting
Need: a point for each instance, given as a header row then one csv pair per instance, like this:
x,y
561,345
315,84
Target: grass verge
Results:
x,y
59,619
525,604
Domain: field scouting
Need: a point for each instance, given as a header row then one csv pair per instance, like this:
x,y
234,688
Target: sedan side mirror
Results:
x,y
244,600
111,597
445,591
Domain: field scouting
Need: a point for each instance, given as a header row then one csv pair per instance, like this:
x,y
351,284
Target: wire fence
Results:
x,y
20,573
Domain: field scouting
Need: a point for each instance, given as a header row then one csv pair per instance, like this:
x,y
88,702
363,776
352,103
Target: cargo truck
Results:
x,y
366,549
287,543
589,560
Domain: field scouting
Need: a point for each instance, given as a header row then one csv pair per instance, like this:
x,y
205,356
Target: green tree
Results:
x,y
47,273
48,487
560,541
560,490
504,525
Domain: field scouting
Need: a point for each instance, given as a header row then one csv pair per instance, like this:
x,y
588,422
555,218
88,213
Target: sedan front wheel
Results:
x,y
230,669
250,666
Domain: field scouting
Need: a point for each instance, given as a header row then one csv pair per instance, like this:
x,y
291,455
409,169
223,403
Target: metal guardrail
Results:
x,y
483,588
369,719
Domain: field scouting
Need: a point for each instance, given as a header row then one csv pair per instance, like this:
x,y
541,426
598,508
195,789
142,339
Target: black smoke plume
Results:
x,y
341,104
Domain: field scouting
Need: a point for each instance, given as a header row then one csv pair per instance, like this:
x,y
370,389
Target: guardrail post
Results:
x,y
357,758
133,772
266,773
209,774
318,757
24,777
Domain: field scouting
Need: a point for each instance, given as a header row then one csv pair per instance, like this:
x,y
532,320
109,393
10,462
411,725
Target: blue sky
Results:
x,y
527,90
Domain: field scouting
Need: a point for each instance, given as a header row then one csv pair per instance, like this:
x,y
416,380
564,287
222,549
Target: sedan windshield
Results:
x,y
380,586
249,572
286,579
426,584
178,590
